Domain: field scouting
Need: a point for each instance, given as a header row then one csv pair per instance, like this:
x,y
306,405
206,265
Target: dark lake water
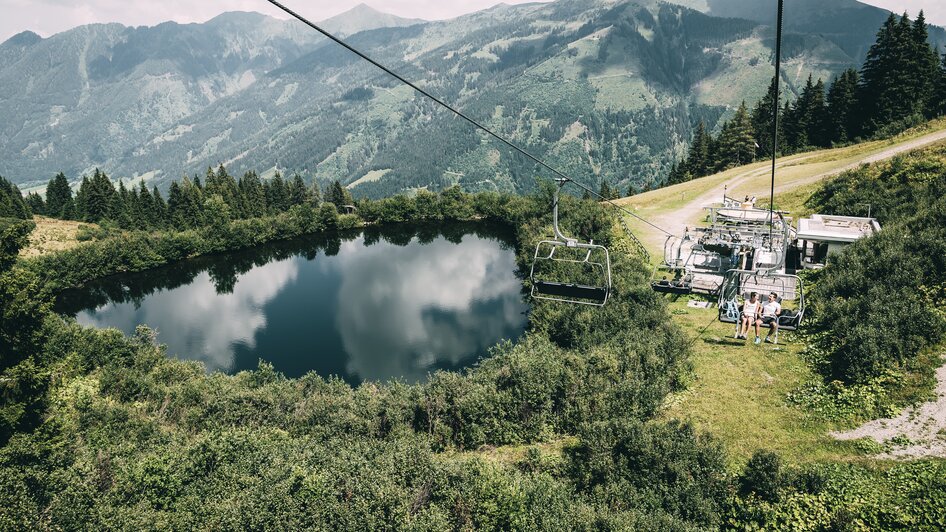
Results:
x,y
371,305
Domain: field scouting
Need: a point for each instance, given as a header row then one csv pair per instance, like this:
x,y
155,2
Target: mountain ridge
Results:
x,y
607,90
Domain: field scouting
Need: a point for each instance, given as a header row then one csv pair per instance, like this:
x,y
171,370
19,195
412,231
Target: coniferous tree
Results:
x,y
277,195
224,185
146,212
176,207
82,198
161,219
59,203
604,191
315,194
120,207
339,196
298,195
736,141
842,104
924,62
99,198
938,102
698,158
252,196
762,118
12,204
36,204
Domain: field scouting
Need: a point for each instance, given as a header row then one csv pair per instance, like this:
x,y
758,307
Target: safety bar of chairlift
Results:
x,y
572,289
799,290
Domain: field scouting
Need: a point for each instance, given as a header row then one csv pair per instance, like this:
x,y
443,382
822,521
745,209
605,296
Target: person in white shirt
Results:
x,y
751,310
771,310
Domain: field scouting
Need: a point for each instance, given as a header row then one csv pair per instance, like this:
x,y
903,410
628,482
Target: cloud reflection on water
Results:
x,y
198,323
367,313
405,310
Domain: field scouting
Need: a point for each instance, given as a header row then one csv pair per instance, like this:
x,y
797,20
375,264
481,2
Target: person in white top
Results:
x,y
751,309
771,310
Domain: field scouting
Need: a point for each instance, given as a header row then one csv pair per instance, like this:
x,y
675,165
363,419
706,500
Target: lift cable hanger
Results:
x,y
445,105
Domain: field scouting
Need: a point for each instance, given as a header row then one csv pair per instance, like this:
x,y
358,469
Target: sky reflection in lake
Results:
x,y
363,312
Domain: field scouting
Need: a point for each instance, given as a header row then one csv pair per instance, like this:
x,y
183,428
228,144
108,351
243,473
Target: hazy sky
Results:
x,y
46,17
51,16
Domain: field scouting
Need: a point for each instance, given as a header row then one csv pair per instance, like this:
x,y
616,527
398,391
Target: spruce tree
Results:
x,y
12,204
252,196
924,64
298,195
698,158
36,204
339,196
737,140
82,199
762,119
59,203
876,74
604,192
938,102
842,103
161,218
120,207
100,197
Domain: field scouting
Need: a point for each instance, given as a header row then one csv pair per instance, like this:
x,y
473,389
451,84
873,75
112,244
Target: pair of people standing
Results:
x,y
757,313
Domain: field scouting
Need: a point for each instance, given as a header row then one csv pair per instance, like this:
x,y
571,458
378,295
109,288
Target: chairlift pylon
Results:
x,y
582,255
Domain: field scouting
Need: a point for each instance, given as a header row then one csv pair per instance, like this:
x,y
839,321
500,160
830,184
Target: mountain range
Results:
x,y
605,90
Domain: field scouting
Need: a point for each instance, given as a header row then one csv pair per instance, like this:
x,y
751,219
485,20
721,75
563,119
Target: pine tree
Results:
x,y
176,207
604,191
161,218
99,199
938,102
146,209
224,185
82,199
277,195
763,116
926,73
298,195
315,194
338,196
120,207
12,204
698,158
842,103
36,204
817,117
737,140
806,119
252,196
59,203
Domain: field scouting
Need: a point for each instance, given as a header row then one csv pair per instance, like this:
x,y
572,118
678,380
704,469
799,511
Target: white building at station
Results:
x,y
823,234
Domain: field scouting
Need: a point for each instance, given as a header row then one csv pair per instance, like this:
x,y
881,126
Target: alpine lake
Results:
x,y
371,305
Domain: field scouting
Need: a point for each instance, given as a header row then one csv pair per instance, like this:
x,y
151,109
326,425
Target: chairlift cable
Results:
x,y
475,123
775,110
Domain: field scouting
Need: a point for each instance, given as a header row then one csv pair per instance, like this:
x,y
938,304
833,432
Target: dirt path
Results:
x,y
690,213
924,427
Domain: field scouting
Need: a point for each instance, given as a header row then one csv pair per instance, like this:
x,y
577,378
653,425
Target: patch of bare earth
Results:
x,y
922,428
52,235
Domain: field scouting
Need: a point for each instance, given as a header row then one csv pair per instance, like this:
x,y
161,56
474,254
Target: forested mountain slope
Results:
x,y
606,90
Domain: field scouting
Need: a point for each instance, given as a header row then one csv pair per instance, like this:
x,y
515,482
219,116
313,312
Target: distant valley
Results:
x,y
604,90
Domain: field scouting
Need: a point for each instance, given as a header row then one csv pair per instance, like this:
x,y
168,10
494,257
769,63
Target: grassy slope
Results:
x,y
52,235
738,390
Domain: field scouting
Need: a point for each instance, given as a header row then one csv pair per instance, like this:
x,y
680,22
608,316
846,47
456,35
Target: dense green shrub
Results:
x,y
879,302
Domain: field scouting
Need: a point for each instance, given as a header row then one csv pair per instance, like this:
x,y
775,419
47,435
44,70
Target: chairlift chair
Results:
x,y
593,258
671,277
740,283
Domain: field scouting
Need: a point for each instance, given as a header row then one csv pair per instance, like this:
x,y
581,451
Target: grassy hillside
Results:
x,y
733,382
